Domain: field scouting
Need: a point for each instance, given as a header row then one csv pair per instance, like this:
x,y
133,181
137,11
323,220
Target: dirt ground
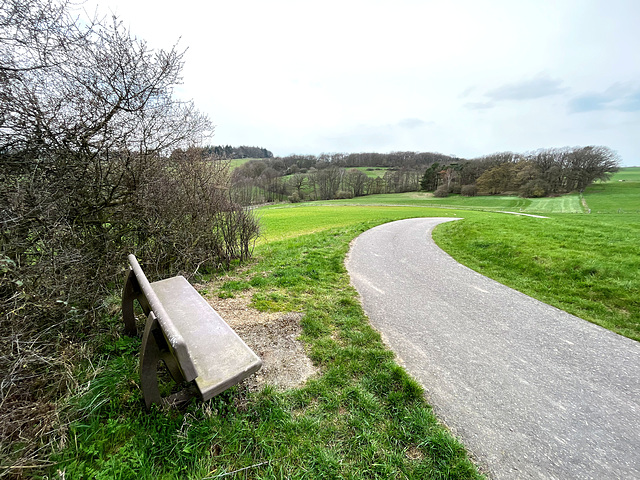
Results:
x,y
273,337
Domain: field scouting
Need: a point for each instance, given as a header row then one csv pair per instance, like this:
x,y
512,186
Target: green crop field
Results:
x,y
563,204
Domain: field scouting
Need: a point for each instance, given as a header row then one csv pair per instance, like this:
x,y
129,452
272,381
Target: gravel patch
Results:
x,y
274,338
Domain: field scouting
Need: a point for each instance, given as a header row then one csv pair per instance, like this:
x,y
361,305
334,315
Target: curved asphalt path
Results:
x,y
532,391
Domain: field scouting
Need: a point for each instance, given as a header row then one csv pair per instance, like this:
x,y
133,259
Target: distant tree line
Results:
x,y
329,176
339,175
229,152
544,172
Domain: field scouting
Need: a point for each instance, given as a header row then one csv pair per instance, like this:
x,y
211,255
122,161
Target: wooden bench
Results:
x,y
187,334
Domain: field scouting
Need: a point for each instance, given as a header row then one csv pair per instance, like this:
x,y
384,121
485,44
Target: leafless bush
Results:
x,y
188,219
343,194
87,125
441,192
469,191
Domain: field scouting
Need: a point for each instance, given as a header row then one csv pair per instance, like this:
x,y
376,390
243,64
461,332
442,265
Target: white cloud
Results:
x,y
479,105
620,97
538,87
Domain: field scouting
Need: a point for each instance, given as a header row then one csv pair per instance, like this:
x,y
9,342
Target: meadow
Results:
x,y
586,265
237,162
630,174
362,416
290,221
564,204
614,197
373,172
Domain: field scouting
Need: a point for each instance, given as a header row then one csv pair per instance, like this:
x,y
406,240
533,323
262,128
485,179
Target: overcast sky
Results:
x,y
458,77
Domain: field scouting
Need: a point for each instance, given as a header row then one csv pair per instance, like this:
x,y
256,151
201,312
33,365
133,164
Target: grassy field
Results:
x,y
620,195
587,265
362,416
237,162
283,222
564,204
373,172
630,174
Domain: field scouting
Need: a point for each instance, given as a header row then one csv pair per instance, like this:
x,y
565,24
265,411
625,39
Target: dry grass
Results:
x,y
36,373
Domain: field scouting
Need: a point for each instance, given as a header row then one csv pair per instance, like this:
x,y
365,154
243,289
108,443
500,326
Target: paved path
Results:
x,y
532,391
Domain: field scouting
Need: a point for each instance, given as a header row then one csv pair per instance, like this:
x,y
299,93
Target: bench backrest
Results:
x,y
174,338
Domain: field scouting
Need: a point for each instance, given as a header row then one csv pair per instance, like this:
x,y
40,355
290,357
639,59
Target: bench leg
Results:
x,y
130,293
151,353
172,365
149,357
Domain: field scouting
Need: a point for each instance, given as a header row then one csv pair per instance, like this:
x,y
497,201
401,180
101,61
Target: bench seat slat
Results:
x,y
219,355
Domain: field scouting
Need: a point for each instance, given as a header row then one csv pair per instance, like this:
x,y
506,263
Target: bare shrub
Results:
x,y
469,191
186,219
534,189
441,192
294,198
87,123
343,195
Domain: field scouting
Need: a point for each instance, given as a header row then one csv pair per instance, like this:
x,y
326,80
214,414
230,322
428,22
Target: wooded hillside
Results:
x,y
329,176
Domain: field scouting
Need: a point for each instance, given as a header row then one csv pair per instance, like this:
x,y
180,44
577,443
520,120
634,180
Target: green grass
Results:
x,y
587,265
237,162
563,204
363,417
628,174
282,222
614,197
373,172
